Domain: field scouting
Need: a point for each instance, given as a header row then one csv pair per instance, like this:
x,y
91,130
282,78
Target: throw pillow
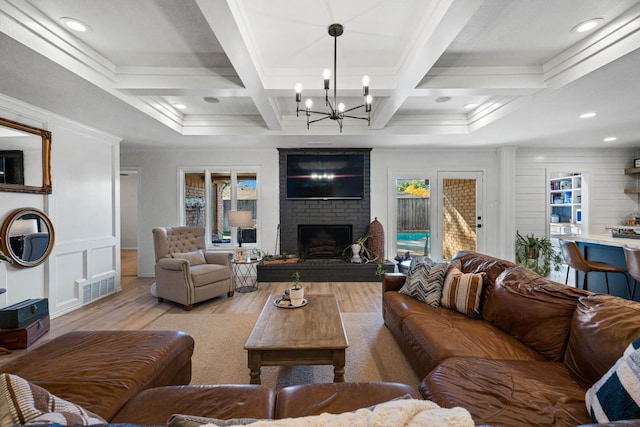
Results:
x,y
461,292
424,282
616,395
194,258
24,403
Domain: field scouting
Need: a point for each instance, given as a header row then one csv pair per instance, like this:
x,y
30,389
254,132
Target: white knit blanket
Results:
x,y
407,412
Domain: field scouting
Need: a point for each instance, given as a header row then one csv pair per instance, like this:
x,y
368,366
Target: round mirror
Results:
x,y
27,237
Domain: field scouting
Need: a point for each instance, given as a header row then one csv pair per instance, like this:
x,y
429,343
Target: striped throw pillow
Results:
x,y
24,403
616,396
461,292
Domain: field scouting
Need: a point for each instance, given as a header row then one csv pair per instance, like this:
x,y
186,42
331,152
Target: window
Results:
x,y
210,195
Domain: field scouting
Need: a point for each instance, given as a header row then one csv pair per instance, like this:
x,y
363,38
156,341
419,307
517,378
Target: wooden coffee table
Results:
x,y
309,335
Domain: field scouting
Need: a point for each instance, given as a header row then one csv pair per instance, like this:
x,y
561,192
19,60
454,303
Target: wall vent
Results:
x,y
98,289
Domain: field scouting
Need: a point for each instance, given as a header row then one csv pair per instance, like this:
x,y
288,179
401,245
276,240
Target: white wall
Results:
x,y
160,186
83,208
603,169
129,210
159,183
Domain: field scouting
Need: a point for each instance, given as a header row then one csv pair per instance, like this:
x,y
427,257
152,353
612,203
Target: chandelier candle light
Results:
x,y
336,110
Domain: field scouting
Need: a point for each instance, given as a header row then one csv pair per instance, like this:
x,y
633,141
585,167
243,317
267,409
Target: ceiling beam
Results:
x,y
442,27
220,17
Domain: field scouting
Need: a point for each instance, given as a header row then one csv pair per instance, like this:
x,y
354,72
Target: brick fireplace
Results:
x,y
355,213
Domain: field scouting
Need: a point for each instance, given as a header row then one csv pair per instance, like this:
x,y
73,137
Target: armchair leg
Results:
x,y
188,307
160,299
230,294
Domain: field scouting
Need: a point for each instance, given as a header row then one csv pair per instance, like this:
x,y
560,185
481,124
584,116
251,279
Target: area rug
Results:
x,y
220,358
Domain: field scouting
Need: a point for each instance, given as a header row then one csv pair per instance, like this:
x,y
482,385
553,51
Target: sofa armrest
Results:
x,y
173,263
222,258
393,281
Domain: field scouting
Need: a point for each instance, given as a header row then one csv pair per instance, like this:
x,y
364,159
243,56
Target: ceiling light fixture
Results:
x,y
443,99
610,139
180,106
585,26
470,106
75,25
211,99
336,110
587,115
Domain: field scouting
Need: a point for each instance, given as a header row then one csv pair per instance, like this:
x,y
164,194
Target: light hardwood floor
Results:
x,y
134,307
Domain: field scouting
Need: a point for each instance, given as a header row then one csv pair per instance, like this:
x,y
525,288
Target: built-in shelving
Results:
x,y
565,200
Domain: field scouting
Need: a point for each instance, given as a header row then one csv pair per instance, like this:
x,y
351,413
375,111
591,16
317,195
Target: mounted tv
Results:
x,y
325,176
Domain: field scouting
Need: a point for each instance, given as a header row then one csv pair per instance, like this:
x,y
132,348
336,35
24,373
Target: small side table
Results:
x,y
245,275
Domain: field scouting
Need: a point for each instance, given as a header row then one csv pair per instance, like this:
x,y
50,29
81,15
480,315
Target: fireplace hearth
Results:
x,y
323,241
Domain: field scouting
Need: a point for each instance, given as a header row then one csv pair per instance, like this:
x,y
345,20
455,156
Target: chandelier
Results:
x,y
337,111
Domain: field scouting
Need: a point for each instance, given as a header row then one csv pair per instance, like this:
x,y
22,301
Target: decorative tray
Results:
x,y
278,300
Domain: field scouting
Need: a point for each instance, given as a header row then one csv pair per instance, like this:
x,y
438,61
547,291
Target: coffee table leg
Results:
x,y
254,367
338,366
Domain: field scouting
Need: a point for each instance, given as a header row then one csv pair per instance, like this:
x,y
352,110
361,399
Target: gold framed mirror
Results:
x,y
25,158
27,237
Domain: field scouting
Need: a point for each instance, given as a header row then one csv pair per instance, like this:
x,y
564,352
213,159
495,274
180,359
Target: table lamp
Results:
x,y
240,219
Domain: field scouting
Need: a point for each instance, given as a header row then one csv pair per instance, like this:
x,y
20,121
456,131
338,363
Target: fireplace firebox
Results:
x,y
323,241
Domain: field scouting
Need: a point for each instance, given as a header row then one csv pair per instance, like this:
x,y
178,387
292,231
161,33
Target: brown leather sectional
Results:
x,y
530,359
142,377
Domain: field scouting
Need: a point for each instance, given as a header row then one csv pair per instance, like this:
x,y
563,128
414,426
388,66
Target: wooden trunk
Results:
x,y
23,337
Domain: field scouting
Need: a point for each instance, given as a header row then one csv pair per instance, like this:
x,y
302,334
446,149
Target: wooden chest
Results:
x,y
25,336
23,313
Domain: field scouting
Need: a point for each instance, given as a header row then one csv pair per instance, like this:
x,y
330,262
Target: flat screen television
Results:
x,y
325,176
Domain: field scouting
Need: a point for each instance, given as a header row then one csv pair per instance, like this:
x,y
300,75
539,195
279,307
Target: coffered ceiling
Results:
x,y
519,62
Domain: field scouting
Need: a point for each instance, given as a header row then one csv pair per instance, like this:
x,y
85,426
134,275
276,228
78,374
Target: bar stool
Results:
x,y
632,256
574,259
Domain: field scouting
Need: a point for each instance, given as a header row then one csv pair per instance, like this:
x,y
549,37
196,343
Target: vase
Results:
x,y
296,296
355,252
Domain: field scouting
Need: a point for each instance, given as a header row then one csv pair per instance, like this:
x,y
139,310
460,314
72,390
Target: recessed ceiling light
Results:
x,y
587,115
180,106
443,99
610,139
211,100
589,25
76,25
470,106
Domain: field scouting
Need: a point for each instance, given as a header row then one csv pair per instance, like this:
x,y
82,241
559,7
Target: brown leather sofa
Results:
x,y
531,357
142,377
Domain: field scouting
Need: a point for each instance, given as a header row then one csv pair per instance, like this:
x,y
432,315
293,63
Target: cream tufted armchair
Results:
x,y
185,272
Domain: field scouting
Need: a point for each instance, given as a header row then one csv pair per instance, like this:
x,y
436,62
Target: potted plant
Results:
x,y
537,254
359,247
296,293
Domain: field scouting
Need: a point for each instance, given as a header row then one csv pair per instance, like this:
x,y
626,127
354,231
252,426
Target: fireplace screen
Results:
x,y
323,241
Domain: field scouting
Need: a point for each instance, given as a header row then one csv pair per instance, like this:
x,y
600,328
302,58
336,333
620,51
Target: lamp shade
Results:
x,y
240,218
23,227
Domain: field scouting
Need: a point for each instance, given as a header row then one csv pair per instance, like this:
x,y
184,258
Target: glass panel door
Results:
x,y
413,227
461,217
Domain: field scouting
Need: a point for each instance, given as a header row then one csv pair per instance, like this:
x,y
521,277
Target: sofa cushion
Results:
x,y
601,328
461,291
194,258
438,334
206,274
157,405
424,282
534,310
24,403
616,395
314,399
508,392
